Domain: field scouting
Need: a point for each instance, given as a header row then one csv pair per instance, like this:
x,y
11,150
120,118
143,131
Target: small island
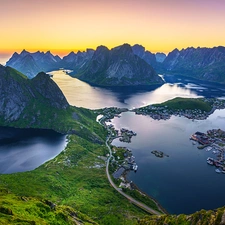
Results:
x,y
159,154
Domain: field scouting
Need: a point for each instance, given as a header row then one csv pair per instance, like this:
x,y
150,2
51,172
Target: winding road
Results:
x,y
132,200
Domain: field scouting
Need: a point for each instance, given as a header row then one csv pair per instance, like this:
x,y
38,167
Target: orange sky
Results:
x,y
65,25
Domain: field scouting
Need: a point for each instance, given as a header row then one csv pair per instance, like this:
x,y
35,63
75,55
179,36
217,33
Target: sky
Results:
x,y
62,26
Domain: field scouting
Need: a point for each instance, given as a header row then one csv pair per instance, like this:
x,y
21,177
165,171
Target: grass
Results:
x,y
29,210
72,179
186,103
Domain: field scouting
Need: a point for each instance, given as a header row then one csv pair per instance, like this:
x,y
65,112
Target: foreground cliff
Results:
x,y
201,63
203,217
118,67
27,100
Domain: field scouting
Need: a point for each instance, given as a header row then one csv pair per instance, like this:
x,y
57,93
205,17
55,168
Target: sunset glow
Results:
x,y
63,26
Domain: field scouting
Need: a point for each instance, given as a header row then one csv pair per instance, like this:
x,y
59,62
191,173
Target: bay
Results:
x,y
26,149
182,182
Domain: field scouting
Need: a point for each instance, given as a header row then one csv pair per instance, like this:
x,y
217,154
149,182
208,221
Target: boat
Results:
x,y
135,167
209,149
209,158
218,170
210,161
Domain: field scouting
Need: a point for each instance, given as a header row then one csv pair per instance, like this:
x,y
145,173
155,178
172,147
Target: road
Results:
x,y
137,203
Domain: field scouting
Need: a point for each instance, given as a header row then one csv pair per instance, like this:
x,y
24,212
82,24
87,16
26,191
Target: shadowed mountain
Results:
x,y
201,63
26,100
76,61
118,67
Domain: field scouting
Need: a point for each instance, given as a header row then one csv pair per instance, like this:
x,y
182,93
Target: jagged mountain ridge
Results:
x,y
201,63
19,94
31,64
118,66
75,61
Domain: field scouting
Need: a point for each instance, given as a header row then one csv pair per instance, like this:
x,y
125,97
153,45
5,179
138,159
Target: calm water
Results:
x,y
81,94
183,182
26,149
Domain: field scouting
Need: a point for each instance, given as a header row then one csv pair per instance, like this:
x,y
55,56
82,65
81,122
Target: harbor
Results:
x,y
212,141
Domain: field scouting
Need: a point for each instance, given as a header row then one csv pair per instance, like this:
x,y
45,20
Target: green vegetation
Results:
x,y
142,197
26,210
16,74
202,217
76,178
186,103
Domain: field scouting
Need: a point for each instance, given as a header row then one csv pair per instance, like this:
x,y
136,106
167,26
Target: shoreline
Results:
x,y
124,175
162,209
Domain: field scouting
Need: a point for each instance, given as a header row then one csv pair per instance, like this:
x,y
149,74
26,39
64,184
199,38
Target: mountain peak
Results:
x,y
118,67
24,53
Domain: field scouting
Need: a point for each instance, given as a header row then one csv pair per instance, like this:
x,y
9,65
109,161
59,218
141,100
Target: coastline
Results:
x,y
135,187
113,134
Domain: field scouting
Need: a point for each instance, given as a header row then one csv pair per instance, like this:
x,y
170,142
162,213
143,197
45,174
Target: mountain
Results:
x,y
31,64
118,67
76,61
28,100
147,56
201,63
160,57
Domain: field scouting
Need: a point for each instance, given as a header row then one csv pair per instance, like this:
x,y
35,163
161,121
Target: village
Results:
x,y
213,140
164,113
122,158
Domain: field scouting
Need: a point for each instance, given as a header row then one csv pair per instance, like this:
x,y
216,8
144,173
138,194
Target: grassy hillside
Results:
x,y
28,210
76,178
203,217
186,103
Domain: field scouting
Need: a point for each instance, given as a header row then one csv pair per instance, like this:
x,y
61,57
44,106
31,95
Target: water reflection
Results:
x,y
182,182
81,94
26,149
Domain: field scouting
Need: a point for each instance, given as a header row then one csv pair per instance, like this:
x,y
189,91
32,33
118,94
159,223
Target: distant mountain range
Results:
x,y
126,69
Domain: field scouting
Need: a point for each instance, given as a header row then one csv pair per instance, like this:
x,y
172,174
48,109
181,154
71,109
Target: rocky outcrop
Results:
x,y
49,91
19,93
119,66
201,63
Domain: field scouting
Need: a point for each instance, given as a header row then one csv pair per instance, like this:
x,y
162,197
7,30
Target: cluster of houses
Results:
x,y
162,112
213,140
128,163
